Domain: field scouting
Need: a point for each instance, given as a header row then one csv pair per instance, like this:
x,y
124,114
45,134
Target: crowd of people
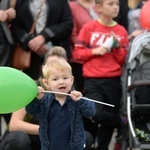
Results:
x,y
78,47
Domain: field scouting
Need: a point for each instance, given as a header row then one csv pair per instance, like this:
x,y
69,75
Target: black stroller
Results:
x,y
136,93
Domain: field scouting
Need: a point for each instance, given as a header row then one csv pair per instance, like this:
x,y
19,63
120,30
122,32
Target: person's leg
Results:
x,y
100,90
104,137
16,141
35,142
113,119
89,140
91,127
103,90
91,91
7,117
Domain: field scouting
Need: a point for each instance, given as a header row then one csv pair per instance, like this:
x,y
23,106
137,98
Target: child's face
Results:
x,y
59,81
109,8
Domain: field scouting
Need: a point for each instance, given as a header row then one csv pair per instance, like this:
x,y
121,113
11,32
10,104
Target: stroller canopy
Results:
x,y
138,43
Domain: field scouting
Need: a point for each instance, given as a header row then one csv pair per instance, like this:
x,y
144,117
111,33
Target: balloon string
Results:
x,y
81,97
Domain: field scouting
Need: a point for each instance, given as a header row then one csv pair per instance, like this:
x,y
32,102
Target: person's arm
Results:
x,y
86,107
17,123
120,52
62,29
82,51
33,107
20,29
134,34
74,34
3,16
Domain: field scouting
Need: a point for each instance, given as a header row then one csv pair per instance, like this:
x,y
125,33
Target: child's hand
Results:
x,y
40,94
116,40
100,51
75,95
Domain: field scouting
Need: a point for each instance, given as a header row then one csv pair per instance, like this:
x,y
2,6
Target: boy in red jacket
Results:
x,y
102,46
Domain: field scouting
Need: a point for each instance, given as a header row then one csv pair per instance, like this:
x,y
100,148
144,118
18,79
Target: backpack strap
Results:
x,y
13,3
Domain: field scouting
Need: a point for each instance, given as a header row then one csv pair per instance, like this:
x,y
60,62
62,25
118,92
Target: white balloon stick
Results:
x,y
61,93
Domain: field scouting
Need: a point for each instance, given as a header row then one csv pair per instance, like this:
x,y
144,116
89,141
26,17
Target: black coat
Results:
x,y
6,39
122,16
58,27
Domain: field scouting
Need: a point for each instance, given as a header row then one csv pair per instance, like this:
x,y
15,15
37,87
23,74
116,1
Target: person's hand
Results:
x,y
100,51
116,40
36,43
75,95
3,16
134,34
11,14
42,50
40,94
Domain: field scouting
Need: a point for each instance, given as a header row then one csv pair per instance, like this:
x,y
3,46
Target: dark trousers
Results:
x,y
89,140
79,79
20,141
6,117
106,90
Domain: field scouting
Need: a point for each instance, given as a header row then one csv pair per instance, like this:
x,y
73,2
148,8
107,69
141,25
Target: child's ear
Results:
x,y
98,6
72,80
45,82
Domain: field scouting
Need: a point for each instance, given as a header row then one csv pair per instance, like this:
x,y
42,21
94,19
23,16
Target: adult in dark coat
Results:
x,y
53,27
7,14
122,16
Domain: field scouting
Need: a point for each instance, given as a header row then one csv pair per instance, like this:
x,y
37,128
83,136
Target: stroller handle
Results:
x,y
138,83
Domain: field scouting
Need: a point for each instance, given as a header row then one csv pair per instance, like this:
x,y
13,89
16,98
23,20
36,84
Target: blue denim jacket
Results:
x,y
76,109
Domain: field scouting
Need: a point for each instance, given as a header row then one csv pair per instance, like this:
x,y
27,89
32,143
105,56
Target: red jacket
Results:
x,y
81,15
92,35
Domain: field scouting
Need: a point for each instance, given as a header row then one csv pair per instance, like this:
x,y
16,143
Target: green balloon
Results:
x,y
16,89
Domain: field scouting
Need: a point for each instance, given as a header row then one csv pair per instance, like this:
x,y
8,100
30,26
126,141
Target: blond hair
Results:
x,y
57,64
99,1
133,3
56,51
